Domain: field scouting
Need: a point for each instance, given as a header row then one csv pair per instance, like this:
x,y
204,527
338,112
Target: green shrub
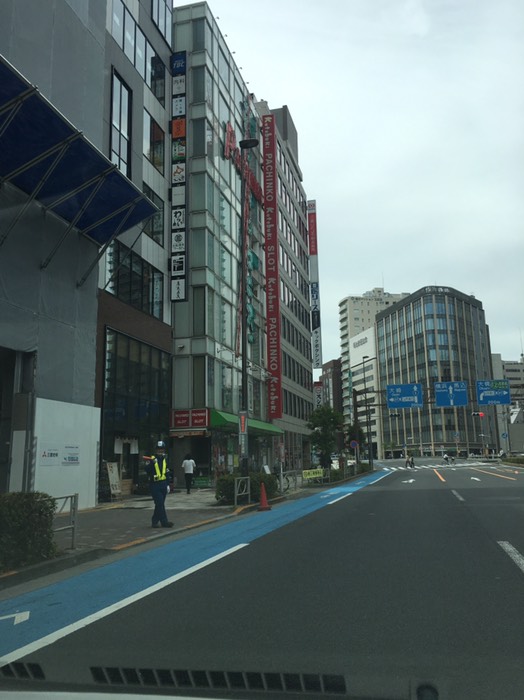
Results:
x,y
225,487
513,460
26,529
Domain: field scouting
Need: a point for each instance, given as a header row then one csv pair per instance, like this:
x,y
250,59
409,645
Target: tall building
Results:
x,y
436,334
220,112
84,371
148,313
510,419
365,395
357,314
294,221
331,380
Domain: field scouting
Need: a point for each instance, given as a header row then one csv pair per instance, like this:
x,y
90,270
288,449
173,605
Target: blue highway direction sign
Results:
x,y
448,394
493,392
404,395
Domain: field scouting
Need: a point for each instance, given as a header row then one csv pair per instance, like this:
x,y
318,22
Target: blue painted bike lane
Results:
x,y
81,599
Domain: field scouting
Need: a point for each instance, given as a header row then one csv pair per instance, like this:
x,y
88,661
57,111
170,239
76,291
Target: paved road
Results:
x,y
417,577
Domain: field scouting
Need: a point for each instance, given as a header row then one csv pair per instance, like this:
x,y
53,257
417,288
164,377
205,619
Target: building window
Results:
x,y
129,36
121,125
134,281
155,225
136,393
161,14
153,146
199,381
155,74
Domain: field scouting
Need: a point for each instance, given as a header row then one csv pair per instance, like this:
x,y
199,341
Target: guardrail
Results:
x,y
287,480
73,511
242,488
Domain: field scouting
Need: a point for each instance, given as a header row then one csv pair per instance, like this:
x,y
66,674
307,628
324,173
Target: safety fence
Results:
x,y
71,502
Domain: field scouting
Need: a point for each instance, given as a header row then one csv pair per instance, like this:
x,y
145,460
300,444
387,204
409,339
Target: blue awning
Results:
x,y
45,156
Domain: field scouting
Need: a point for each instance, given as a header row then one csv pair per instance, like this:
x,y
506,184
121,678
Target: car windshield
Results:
x,y
261,348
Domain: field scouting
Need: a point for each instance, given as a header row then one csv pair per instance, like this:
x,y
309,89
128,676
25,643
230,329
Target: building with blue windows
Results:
x,y
435,335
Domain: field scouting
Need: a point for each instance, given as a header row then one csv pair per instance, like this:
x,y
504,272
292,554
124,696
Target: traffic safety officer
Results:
x,y
156,469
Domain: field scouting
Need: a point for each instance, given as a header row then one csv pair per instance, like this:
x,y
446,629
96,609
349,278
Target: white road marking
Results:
x,y
339,499
515,555
474,478
457,495
100,614
18,617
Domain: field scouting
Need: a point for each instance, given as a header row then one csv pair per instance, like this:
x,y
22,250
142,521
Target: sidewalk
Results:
x,y
112,527
124,523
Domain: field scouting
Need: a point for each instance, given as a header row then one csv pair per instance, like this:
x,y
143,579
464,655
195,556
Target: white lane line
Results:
x,y
100,614
513,553
330,503
457,495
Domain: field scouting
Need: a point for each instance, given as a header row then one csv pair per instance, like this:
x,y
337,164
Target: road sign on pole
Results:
x,y
493,392
449,394
404,396
242,433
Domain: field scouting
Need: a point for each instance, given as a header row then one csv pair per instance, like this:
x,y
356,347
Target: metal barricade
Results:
x,y
288,480
73,511
242,488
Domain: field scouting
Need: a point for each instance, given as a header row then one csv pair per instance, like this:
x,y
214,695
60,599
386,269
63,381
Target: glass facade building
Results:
x,y
436,334
213,111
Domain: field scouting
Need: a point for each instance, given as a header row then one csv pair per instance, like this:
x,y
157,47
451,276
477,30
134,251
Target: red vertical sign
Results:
x,y
274,355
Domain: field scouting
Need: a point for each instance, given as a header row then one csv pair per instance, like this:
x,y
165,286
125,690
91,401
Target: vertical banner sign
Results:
x,y
178,263
316,338
274,355
317,394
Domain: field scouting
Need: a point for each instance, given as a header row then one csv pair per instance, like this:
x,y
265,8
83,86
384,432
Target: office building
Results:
x,y
206,284
331,381
510,418
75,170
154,329
436,334
364,384
357,314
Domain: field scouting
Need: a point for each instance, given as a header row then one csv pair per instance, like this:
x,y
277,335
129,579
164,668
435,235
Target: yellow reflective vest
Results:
x,y
160,473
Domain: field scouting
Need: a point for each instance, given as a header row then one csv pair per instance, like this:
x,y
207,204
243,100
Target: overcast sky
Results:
x,y
410,119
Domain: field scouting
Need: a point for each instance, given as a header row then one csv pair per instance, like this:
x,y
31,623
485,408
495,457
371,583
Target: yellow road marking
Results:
x,y
500,476
439,475
130,544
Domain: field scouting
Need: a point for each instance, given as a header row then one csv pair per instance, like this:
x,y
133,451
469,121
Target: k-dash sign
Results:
x,y
404,395
448,394
493,392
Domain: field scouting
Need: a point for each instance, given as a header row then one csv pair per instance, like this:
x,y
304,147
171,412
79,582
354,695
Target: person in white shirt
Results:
x,y
189,466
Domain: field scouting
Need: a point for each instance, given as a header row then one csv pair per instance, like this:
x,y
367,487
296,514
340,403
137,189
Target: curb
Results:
x,y
74,558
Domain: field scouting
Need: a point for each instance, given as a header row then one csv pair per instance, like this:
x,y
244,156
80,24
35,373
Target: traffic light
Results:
x,y
394,415
478,413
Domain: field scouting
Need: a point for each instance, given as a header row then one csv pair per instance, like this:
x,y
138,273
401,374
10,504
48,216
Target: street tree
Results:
x,y
324,424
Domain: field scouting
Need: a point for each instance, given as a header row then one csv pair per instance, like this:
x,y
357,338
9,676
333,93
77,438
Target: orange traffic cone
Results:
x,y
264,505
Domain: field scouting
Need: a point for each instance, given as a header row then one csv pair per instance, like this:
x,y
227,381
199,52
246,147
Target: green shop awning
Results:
x,y
221,419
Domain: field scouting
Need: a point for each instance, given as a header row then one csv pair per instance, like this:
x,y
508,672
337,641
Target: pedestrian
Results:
x,y
156,469
189,466
446,458
408,460
412,462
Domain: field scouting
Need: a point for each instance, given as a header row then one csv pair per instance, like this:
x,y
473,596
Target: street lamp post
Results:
x,y
245,145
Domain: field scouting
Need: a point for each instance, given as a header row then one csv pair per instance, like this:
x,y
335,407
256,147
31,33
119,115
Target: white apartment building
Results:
x,y
510,419
357,314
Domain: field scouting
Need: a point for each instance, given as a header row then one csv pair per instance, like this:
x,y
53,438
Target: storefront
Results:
x,y
211,437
